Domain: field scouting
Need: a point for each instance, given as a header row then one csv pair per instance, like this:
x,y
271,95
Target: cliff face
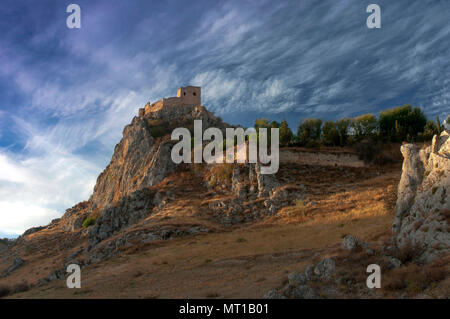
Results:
x,y
423,204
142,158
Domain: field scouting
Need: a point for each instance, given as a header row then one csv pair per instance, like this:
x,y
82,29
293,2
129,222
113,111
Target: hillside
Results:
x,y
224,230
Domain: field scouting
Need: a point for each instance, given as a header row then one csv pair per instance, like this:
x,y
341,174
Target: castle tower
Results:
x,y
190,95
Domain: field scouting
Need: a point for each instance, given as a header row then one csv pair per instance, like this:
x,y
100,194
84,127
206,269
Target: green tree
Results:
x,y
430,130
264,123
398,123
274,124
364,126
330,134
286,134
261,123
309,131
342,126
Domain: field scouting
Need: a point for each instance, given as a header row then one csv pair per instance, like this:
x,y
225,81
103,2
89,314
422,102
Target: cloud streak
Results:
x,y
65,95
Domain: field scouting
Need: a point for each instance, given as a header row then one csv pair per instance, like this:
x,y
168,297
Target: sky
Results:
x,y
66,94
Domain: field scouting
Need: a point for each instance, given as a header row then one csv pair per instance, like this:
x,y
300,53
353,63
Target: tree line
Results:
x,y
399,124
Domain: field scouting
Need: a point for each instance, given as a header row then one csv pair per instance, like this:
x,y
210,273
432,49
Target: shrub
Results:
x,y
158,131
409,252
430,130
309,131
21,287
17,288
342,126
4,291
301,207
413,278
89,222
330,134
402,123
222,173
364,126
367,150
264,123
286,135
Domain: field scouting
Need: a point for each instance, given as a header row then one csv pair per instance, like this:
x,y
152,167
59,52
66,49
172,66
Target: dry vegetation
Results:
x,y
245,261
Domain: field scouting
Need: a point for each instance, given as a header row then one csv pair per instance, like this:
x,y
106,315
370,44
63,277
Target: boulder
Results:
x,y
273,294
303,292
350,243
325,268
296,279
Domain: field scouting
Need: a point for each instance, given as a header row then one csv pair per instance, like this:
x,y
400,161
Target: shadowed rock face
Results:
x,y
423,204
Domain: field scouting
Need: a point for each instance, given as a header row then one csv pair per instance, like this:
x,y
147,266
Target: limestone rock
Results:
x,y
303,292
127,212
296,279
392,262
325,268
350,242
423,204
273,294
267,183
143,156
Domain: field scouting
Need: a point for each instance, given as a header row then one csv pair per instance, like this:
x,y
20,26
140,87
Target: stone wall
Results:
x,y
319,158
190,95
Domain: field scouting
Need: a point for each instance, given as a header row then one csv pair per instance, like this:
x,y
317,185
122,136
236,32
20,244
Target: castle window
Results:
x,y
195,94
184,93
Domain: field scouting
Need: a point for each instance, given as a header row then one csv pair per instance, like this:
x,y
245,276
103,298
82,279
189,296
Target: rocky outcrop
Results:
x,y
304,285
112,247
350,243
248,182
143,156
423,205
74,217
128,211
17,263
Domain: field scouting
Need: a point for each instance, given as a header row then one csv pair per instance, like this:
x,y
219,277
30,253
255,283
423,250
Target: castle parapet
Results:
x,y
189,95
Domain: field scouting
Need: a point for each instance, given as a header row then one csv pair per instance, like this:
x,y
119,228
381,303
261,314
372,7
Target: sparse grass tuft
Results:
x,y
414,279
409,252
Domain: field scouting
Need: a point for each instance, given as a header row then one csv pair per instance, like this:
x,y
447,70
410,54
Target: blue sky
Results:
x,y
66,94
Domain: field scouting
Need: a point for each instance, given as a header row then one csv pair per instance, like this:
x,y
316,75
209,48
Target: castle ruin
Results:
x,y
189,95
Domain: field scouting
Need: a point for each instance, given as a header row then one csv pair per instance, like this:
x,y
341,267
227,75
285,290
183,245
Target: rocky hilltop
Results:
x,y
230,224
140,160
134,190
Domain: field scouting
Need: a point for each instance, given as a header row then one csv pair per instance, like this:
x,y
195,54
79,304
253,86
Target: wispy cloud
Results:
x,y
65,95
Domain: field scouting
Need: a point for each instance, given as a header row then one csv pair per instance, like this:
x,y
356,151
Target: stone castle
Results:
x,y
189,95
